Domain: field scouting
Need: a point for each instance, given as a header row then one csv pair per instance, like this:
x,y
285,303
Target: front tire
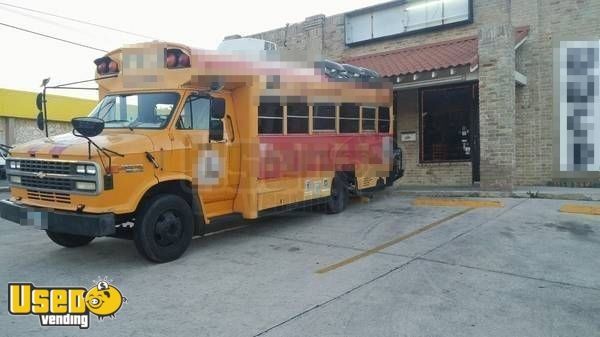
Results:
x,y
339,196
163,228
69,240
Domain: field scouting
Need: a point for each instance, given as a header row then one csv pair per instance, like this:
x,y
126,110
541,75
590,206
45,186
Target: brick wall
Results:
x,y
548,21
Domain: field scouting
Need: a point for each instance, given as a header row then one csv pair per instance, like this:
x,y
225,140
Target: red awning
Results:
x,y
446,54
421,58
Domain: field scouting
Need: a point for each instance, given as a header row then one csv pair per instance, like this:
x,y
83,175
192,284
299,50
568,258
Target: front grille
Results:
x,y
49,175
47,166
64,198
47,183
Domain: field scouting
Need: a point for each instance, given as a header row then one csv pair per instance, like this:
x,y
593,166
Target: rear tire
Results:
x,y
339,196
163,228
69,240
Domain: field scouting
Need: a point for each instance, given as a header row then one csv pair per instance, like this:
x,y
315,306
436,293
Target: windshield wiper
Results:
x,y
134,124
108,105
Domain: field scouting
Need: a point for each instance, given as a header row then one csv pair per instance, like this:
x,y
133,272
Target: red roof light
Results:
x,y
176,58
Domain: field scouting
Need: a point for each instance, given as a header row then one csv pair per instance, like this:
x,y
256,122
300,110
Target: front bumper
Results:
x,y
58,221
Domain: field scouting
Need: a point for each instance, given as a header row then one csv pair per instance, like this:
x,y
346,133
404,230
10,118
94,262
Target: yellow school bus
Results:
x,y
184,139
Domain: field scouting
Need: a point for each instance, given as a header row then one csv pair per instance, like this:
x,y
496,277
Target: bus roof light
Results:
x,y
113,67
102,68
176,58
105,65
171,60
183,61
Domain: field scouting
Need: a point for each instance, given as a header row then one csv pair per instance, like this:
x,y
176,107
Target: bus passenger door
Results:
x,y
213,155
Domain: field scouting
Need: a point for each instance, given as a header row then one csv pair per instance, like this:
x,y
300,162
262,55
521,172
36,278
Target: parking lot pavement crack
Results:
x,y
351,290
560,283
325,303
326,244
424,258
380,276
473,228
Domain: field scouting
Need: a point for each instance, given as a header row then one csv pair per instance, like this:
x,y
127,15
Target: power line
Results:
x,y
78,21
49,21
53,37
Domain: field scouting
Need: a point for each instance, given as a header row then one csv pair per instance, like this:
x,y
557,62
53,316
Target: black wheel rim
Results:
x,y
168,229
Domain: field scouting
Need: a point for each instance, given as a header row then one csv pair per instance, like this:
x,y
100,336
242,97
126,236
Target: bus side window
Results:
x,y
368,119
270,118
297,118
195,114
349,118
324,117
384,119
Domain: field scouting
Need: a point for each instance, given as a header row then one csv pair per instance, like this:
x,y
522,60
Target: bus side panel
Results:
x,y
308,155
295,168
280,192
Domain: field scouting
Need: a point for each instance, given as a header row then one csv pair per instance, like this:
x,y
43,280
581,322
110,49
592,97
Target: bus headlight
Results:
x,y
86,169
90,169
15,179
85,185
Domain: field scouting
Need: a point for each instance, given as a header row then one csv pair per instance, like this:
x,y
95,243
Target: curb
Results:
x,y
501,194
4,188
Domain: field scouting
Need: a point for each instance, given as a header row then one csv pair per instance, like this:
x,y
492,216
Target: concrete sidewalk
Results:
x,y
542,192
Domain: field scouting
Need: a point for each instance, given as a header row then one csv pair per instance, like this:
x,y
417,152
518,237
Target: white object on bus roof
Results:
x,y
246,44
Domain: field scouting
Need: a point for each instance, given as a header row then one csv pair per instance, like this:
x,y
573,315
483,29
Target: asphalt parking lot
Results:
x,y
382,268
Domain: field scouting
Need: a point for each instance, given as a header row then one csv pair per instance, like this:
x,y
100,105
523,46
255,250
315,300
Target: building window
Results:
x,y
297,118
270,118
383,119
446,122
349,118
324,117
405,17
368,119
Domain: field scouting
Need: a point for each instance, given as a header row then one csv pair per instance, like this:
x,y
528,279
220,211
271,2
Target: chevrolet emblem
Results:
x,y
41,175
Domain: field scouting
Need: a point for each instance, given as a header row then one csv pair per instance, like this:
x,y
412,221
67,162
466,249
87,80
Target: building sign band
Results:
x,y
579,112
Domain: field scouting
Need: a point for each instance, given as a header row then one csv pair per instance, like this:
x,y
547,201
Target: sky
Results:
x,y
26,59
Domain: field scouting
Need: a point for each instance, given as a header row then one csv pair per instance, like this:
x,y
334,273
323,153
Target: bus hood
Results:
x,y
69,145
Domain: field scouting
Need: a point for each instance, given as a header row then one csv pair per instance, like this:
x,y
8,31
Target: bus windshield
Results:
x,y
143,111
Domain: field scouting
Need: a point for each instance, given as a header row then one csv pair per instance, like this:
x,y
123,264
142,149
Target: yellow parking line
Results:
x,y
580,209
458,202
389,243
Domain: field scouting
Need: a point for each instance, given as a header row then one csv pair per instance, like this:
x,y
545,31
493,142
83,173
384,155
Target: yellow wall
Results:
x,y
21,104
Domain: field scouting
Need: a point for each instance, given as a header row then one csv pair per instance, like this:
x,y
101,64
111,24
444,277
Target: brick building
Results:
x,y
473,81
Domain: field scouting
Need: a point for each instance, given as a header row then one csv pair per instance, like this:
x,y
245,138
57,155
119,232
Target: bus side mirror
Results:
x,y
40,121
215,132
39,100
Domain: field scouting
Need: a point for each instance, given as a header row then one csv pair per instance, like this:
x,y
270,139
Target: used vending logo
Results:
x,y
65,306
